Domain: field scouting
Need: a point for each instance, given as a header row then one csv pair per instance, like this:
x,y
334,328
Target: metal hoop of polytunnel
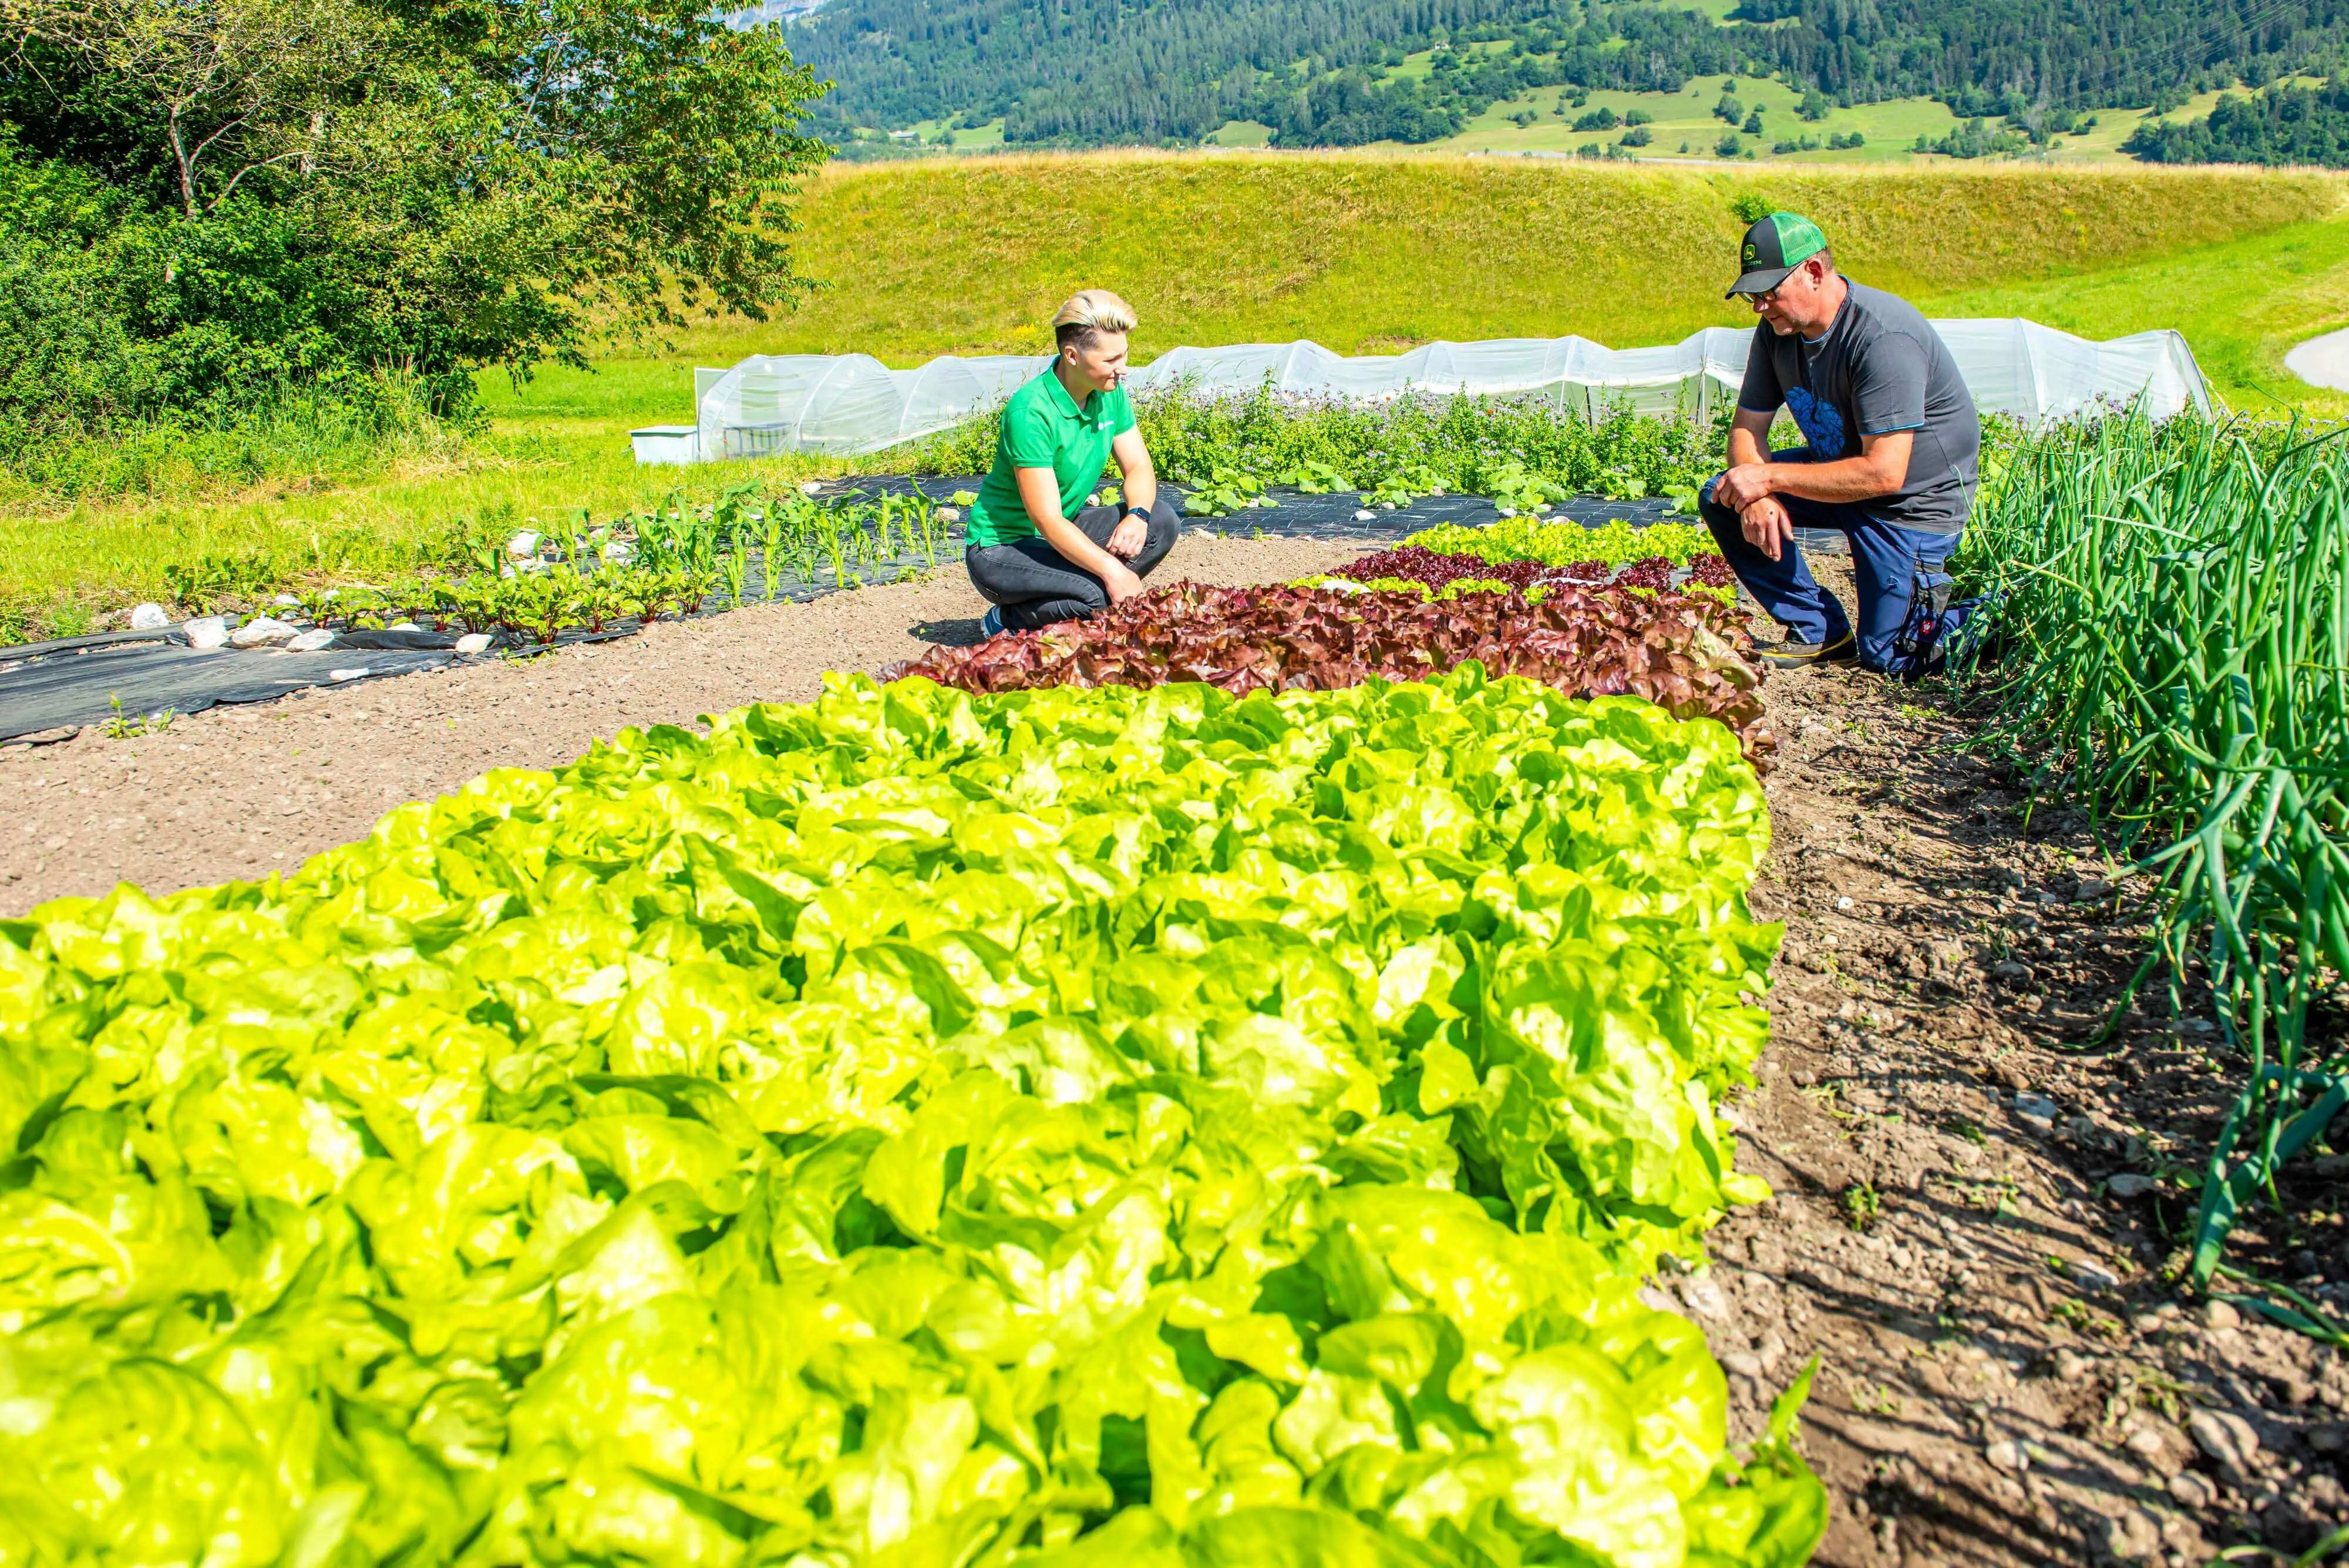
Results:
x,y
851,404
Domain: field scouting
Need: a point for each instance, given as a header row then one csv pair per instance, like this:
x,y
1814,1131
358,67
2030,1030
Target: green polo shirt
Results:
x,y
1043,427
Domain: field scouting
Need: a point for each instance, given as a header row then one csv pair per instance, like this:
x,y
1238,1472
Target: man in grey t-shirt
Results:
x,y
1890,463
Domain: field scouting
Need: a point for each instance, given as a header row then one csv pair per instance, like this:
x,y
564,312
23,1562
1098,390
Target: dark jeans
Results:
x,y
1034,585
1887,562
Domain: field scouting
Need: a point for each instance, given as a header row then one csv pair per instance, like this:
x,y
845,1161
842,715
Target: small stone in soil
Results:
x,y
2190,1489
2037,1110
2129,1184
2007,1454
2228,1439
1703,1299
2091,1276
263,631
2219,1314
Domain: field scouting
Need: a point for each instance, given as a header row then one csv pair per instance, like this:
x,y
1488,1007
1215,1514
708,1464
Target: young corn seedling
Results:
x,y
733,568
828,520
926,516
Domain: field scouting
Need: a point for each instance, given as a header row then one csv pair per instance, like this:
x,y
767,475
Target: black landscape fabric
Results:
x,y
55,688
1297,515
63,690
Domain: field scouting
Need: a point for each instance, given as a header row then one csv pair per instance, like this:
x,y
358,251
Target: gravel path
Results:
x,y
2323,362
246,791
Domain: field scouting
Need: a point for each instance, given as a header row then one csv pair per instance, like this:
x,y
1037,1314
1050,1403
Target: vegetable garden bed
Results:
x,y
1106,1121
1985,1230
1190,1095
587,583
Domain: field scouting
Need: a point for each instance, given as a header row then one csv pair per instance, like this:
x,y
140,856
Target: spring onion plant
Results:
x,y
2172,603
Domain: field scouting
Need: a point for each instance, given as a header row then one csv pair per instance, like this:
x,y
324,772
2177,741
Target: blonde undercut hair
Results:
x,y
1088,312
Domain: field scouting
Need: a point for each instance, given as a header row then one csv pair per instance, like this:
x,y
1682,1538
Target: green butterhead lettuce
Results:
x,y
1073,1126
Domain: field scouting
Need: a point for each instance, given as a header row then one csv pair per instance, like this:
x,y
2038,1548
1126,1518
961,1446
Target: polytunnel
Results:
x,y
849,404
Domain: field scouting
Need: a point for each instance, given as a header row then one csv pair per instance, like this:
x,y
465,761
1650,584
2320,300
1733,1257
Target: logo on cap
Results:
x,y
1749,251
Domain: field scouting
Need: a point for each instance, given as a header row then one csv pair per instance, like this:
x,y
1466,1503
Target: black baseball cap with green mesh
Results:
x,y
1773,247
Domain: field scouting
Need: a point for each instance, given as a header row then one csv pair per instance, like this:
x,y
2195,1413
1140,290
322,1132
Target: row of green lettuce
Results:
x,y
1073,1126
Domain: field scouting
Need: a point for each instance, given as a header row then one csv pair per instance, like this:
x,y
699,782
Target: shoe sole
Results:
x,y
1843,653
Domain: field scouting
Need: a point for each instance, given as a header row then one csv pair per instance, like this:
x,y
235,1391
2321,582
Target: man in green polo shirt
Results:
x,y
1035,551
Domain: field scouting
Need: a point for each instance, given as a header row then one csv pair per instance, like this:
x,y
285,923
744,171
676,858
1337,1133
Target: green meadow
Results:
x,y
1365,253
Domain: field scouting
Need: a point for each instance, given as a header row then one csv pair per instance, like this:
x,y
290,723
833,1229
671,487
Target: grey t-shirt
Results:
x,y
1880,368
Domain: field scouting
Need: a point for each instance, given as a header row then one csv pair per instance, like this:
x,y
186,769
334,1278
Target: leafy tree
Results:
x,y
2280,125
233,86
239,196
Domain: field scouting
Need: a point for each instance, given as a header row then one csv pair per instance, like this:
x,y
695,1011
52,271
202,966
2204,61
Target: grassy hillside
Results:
x,y
1369,254
1363,252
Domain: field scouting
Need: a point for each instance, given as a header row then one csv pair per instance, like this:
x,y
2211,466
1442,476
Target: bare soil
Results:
x,y
2008,1377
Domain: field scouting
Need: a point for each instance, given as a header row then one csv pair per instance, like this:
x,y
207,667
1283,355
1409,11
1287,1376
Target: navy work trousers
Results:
x,y
1887,561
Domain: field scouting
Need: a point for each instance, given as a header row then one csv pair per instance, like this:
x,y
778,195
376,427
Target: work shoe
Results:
x,y
991,622
1797,654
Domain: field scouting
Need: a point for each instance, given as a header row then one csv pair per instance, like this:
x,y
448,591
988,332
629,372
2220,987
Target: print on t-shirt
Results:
x,y
1821,422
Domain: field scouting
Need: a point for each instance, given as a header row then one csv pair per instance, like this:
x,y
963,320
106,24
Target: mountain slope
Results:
x,y
1325,72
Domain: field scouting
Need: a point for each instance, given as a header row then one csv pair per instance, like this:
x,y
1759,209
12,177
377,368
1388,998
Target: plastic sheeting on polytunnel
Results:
x,y
847,404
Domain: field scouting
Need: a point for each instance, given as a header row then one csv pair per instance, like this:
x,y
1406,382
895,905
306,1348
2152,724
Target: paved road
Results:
x,y
2323,362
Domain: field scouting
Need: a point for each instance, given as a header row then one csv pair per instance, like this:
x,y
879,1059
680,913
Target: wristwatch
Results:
x,y
1141,512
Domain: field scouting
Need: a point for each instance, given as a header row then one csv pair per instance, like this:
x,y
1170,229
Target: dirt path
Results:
x,y
244,791
2006,1379
2322,361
